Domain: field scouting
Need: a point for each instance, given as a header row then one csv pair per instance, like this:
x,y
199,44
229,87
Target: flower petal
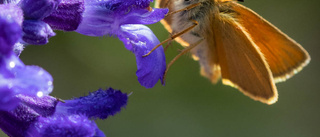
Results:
x,y
63,126
44,106
8,1
10,30
16,78
144,16
22,79
7,102
104,17
14,123
36,32
12,11
139,39
67,16
38,9
98,104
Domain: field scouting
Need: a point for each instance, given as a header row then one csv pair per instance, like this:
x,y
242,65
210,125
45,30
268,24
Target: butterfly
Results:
x,y
235,44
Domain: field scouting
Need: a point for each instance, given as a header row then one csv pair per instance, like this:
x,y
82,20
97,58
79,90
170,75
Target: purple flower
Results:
x,y
15,77
10,30
122,18
98,104
139,39
105,17
48,117
38,9
35,31
67,16
26,109
99,18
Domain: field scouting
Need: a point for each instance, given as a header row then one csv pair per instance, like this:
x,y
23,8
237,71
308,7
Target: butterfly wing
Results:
x,y
284,56
241,62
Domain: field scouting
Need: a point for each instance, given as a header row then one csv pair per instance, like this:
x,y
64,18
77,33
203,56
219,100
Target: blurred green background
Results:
x,y
189,105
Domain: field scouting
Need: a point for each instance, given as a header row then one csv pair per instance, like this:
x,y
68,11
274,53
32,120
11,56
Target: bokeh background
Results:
x,y
189,105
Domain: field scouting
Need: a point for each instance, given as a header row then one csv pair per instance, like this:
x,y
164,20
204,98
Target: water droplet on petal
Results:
x,y
40,72
40,94
12,64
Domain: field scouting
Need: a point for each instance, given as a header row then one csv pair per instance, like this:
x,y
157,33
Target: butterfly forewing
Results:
x,y
242,64
284,56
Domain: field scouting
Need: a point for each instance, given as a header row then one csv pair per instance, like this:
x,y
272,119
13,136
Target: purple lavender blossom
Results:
x,y
122,18
46,116
139,39
26,109
38,9
15,77
98,104
10,30
35,31
67,16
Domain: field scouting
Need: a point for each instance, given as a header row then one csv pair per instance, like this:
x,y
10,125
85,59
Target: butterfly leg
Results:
x,y
195,23
184,9
61,100
184,51
169,43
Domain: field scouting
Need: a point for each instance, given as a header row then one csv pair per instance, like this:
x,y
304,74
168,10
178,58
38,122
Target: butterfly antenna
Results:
x,y
195,23
184,51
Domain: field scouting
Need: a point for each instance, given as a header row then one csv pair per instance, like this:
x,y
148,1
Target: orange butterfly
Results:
x,y
235,43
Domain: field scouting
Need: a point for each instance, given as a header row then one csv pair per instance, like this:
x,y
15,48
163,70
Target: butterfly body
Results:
x,y
238,45
182,20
